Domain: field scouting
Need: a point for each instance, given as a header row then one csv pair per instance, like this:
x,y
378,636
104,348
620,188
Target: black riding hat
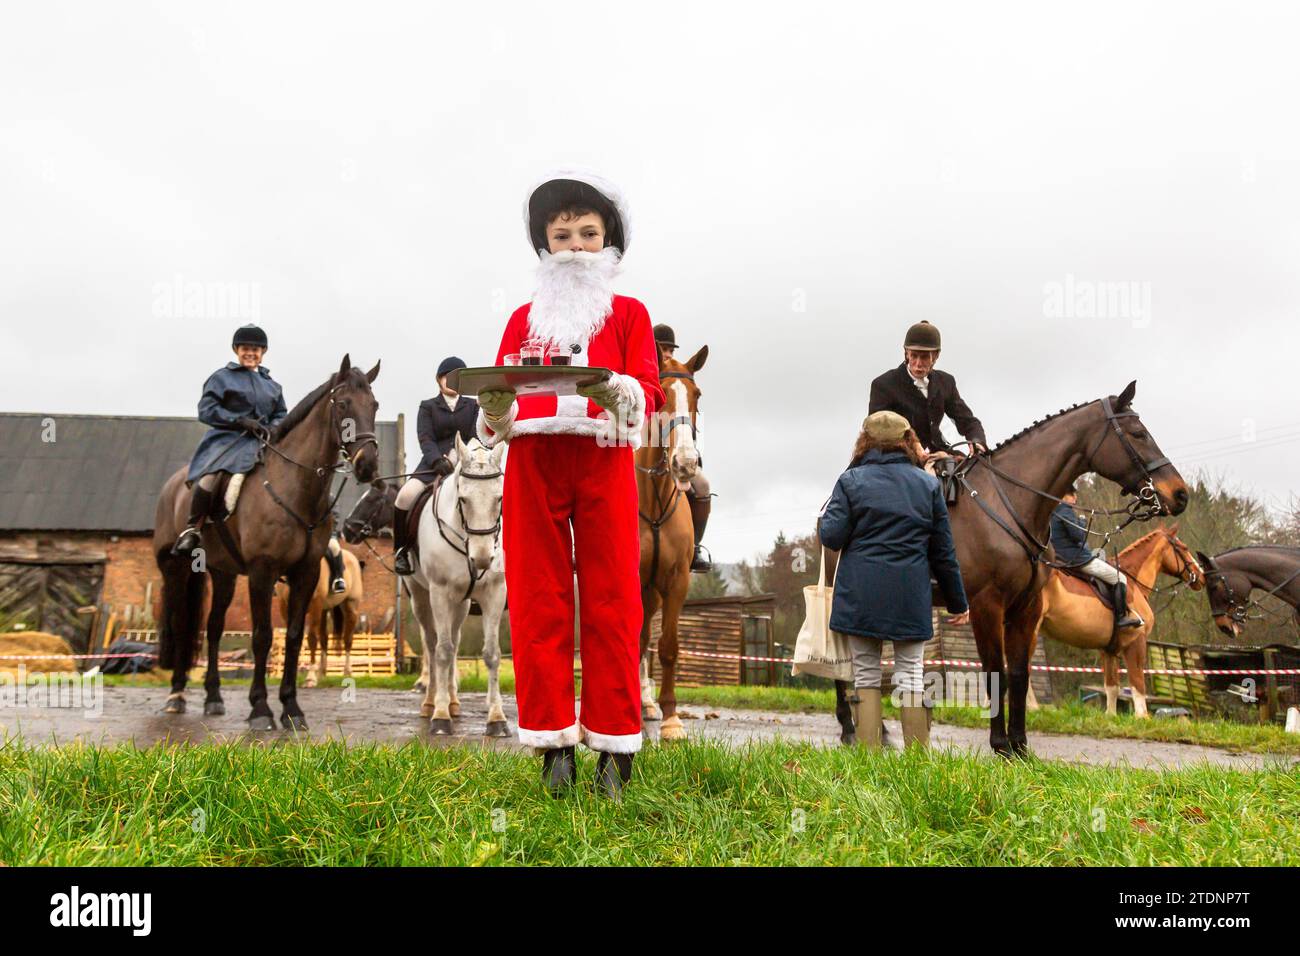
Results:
x,y
664,336
448,364
249,335
922,336
577,189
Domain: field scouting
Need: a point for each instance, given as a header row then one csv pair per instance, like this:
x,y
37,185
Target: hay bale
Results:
x,y
35,642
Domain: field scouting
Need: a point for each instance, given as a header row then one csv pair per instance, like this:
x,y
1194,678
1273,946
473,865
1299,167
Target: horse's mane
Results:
x,y
1260,547
301,410
1038,423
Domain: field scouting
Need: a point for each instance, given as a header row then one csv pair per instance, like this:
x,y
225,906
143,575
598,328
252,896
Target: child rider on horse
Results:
x,y
570,495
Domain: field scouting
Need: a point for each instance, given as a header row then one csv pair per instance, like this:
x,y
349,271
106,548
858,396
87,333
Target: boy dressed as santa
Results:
x,y
570,488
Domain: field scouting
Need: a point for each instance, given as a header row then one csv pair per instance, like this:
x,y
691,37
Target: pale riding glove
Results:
x,y
610,394
496,403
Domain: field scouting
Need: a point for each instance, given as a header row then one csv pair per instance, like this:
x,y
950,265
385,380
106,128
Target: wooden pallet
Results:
x,y
372,655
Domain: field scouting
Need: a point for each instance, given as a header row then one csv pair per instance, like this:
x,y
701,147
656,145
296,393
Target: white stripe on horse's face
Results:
x,y
683,457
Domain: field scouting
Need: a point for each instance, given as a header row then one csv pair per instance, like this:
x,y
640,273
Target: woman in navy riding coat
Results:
x,y
889,521
441,419
240,402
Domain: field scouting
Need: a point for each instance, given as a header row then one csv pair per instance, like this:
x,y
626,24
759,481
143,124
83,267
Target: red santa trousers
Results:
x,y
568,498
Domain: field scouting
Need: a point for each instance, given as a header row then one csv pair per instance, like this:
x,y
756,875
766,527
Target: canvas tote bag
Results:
x,y
819,651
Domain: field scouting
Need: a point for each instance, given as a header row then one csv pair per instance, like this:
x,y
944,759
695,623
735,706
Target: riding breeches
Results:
x,y
568,502
909,663
1099,569
409,494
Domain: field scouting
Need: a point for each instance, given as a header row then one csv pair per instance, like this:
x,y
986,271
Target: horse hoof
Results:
x,y
454,708
420,686
651,712
295,722
672,729
498,728
261,722
214,708
440,726
426,710
848,740
174,705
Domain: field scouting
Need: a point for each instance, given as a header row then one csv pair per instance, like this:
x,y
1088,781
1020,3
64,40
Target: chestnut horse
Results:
x,y
1001,531
343,610
1232,575
280,528
665,464
1073,613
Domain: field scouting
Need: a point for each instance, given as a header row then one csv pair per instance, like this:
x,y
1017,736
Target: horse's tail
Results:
x,y
336,619
182,610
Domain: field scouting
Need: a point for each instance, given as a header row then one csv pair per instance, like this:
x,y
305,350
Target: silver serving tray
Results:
x,y
524,379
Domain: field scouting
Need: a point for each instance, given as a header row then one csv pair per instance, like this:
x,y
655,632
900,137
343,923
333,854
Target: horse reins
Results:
x,y
463,547
1239,611
666,509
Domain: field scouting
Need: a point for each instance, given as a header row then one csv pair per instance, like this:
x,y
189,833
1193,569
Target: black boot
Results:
x,y
402,556
559,770
1123,616
338,582
700,508
200,508
612,772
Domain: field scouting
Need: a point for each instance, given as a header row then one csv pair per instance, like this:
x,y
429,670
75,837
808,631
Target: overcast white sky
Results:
x,y
806,181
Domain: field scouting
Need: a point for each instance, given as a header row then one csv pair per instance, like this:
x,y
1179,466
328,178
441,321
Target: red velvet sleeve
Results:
x,y
641,356
513,336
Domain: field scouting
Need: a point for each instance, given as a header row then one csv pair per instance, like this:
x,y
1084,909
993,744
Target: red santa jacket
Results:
x,y
625,345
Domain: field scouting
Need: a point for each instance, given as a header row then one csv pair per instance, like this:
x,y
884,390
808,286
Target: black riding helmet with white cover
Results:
x,y
577,188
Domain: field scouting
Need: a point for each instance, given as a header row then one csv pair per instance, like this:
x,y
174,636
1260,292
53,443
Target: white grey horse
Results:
x,y
461,557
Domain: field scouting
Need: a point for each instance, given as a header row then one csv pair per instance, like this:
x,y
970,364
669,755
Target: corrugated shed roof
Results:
x,y
103,472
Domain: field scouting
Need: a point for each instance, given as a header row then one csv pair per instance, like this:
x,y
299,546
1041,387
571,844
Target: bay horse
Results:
x,y
342,610
665,464
1001,532
1231,576
280,528
1074,614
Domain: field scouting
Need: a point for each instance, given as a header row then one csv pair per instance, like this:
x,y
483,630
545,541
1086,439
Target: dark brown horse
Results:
x,y
1001,526
1230,577
280,528
665,464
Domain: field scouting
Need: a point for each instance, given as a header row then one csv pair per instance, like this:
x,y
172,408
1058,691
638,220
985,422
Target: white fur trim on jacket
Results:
x,y
550,739
501,432
597,182
609,743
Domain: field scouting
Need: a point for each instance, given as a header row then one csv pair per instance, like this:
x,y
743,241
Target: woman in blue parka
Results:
x,y
241,403
889,521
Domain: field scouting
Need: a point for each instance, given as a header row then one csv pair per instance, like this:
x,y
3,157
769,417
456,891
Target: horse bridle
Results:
x,y
666,429
462,548
359,442
1148,491
1145,506
1239,611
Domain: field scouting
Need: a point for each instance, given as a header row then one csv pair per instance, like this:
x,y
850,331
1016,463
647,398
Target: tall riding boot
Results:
x,y
700,508
338,583
612,772
866,715
916,728
1123,616
402,555
200,508
559,770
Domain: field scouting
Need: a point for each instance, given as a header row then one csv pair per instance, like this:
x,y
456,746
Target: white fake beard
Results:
x,y
573,295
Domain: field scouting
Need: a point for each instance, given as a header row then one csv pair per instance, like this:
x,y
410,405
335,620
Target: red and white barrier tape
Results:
x,y
1175,671
68,657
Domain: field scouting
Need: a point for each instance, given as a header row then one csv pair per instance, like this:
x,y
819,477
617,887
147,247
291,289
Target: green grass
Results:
x,y
694,804
1072,718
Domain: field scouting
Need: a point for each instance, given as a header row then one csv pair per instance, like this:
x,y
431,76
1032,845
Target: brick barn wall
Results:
x,y
132,579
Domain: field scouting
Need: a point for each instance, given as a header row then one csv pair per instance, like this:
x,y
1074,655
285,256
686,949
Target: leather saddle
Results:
x,y
1099,588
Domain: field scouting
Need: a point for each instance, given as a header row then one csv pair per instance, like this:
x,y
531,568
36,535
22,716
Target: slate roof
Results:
x,y
103,472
